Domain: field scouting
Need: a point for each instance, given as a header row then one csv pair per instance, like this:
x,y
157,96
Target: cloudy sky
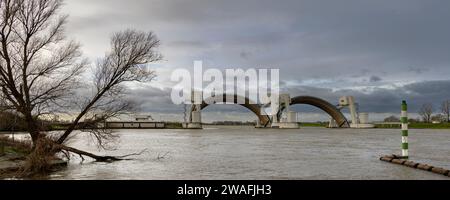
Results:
x,y
380,51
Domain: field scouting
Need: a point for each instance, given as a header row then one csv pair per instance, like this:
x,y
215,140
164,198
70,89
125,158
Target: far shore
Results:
x,y
176,126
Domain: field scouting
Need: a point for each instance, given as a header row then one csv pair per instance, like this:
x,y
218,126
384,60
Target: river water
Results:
x,y
254,154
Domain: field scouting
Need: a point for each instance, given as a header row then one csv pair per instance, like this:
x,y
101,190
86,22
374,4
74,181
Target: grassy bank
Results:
x,y
14,147
417,126
390,126
310,124
12,156
174,125
17,160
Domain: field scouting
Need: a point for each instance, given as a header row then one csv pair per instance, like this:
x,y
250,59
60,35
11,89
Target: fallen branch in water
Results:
x,y
162,157
133,154
98,158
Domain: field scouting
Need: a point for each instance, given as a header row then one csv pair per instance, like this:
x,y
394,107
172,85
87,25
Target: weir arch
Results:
x,y
251,106
264,119
327,107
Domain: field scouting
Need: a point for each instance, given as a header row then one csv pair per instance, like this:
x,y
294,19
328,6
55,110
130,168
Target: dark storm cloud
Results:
x,y
382,100
324,46
374,79
153,99
379,100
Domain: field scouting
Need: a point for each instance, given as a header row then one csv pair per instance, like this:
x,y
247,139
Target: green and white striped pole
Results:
x,y
405,132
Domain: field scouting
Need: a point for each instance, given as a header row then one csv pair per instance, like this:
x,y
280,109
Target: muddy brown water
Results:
x,y
246,153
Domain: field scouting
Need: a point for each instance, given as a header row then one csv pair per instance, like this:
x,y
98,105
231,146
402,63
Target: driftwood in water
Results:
x,y
97,157
396,160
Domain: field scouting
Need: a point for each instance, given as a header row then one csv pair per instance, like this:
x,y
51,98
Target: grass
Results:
x,y
416,126
430,126
16,150
17,147
174,126
20,161
12,152
389,126
309,124
56,127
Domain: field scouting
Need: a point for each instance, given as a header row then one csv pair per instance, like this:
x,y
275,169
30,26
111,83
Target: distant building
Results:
x,y
142,118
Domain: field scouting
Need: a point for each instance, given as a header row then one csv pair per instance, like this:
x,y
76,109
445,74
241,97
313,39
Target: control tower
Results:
x,y
359,120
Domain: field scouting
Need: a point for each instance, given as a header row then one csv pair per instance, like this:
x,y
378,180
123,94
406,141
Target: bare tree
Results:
x,y
131,50
392,119
40,70
445,107
38,66
426,111
438,118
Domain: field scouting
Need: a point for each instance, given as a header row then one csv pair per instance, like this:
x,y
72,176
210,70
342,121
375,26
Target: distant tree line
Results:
x,y
10,121
428,115
13,122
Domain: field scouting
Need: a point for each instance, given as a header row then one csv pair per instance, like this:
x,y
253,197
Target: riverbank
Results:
x,y
415,126
13,158
390,126
309,124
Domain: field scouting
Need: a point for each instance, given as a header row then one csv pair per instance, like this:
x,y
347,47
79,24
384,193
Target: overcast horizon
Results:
x,y
381,51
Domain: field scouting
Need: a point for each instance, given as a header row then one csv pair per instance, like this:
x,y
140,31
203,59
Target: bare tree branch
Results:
x,y
131,51
426,111
446,110
41,71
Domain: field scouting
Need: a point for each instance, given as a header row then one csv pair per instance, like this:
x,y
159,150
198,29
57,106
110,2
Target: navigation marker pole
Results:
x,y
405,132
404,159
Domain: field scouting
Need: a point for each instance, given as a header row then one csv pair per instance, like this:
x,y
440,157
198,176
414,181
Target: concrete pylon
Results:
x,y
196,114
333,124
291,123
359,120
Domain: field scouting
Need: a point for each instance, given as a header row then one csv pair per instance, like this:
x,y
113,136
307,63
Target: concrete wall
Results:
x,y
132,125
114,125
148,125
136,125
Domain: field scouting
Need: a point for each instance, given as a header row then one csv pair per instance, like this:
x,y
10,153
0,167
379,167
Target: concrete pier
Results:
x,y
194,126
135,125
291,121
196,122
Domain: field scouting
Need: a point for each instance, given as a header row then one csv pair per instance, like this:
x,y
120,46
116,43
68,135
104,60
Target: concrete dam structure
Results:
x,y
338,119
327,107
251,106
